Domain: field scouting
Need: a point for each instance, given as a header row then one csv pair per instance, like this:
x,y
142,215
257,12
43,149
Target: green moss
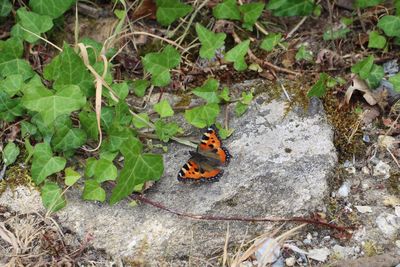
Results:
x,y
15,176
394,184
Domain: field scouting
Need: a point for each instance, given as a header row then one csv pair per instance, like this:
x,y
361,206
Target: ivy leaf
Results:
x,y
228,9
117,136
140,86
366,3
165,131
208,91
89,124
141,120
271,41
12,84
163,108
28,129
68,68
71,176
102,170
67,99
335,34
33,22
10,107
66,139
159,64
10,63
170,10
93,191
44,164
376,40
5,8
237,54
242,106
375,76
138,168
52,197
52,8
251,12
202,116
395,80
10,153
210,41
120,89
390,25
319,88
363,67
291,8
224,95
303,54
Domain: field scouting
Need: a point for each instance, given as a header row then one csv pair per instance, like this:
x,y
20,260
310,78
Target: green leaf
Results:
x,y
10,153
102,170
10,49
222,132
44,164
52,197
208,91
170,10
66,139
141,120
71,176
93,191
28,129
17,66
335,34
117,136
122,114
395,80
291,7
138,168
319,88
33,22
363,67
228,9
304,54
225,94
202,116
375,76
67,99
120,89
271,41
52,8
89,124
376,40
209,40
251,12
68,68
366,3
163,108
5,8
237,54
10,107
159,64
242,106
165,130
390,25
140,86
12,84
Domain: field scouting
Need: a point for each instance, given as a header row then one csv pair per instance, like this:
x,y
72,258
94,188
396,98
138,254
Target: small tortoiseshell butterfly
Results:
x,y
203,163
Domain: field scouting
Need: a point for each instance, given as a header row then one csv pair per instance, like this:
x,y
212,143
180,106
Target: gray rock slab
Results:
x,y
279,168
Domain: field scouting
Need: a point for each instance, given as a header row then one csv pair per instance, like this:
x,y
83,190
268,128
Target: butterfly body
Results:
x,y
204,163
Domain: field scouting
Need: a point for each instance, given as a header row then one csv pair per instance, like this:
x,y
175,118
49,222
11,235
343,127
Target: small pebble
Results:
x,y
382,169
307,241
397,211
365,170
366,138
365,185
315,234
344,190
290,261
309,236
357,249
327,238
397,243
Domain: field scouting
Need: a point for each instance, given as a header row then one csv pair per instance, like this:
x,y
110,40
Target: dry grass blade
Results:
x,y
259,241
225,257
9,238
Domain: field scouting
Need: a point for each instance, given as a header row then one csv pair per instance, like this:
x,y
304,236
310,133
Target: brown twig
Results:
x,y
158,205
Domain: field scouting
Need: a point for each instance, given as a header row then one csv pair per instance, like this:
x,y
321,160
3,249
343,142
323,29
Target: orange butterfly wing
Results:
x,y
211,142
202,166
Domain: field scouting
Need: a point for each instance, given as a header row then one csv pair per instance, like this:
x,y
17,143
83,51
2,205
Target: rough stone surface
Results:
x,y
279,168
